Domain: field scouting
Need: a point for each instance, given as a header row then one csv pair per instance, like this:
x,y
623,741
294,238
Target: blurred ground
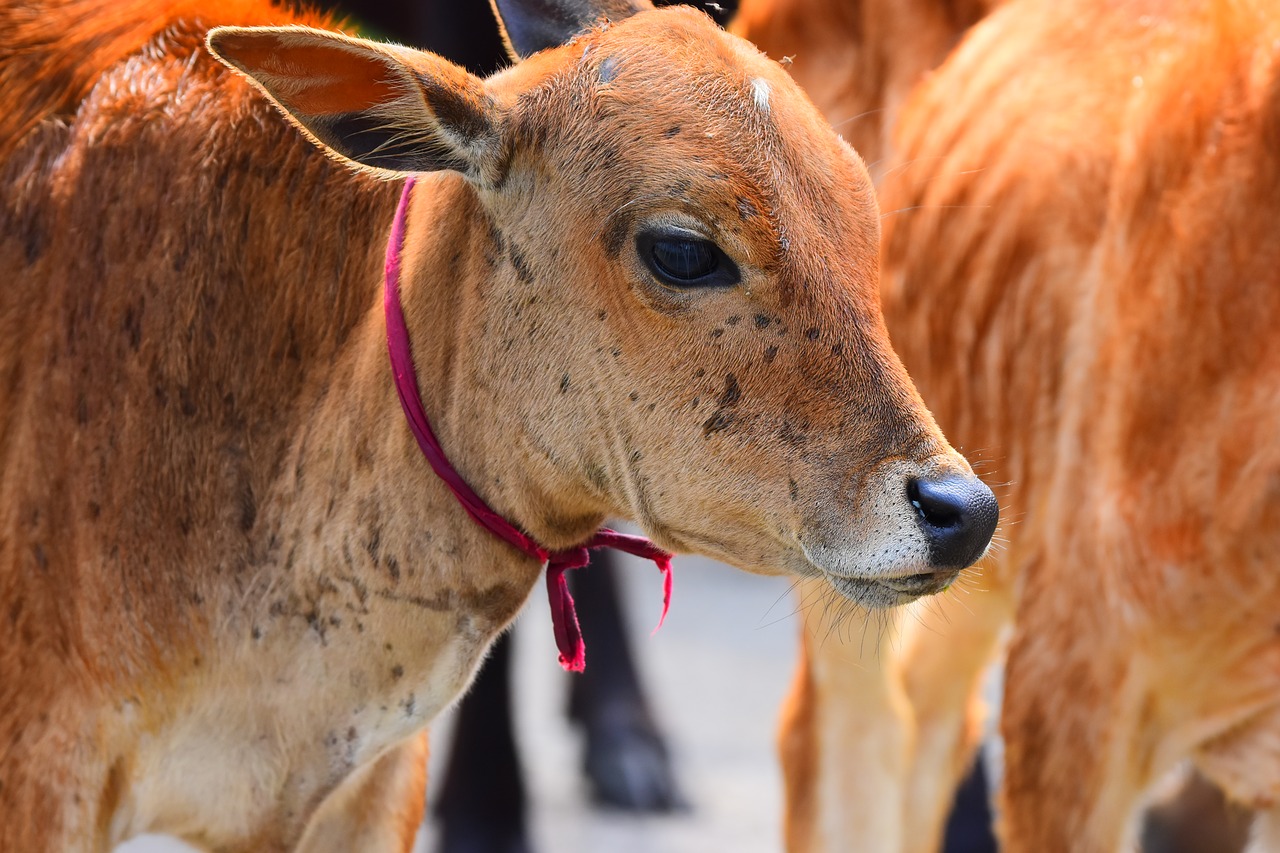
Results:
x,y
716,674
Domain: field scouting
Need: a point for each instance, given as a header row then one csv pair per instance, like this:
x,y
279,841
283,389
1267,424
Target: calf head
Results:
x,y
683,322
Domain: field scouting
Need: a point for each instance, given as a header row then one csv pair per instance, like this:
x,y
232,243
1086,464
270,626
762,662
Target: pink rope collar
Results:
x,y
564,617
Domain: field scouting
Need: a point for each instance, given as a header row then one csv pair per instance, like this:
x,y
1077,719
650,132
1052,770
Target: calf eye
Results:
x,y
682,259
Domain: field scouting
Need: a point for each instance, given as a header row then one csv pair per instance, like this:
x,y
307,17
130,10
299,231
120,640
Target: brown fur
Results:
x,y
1081,275
232,589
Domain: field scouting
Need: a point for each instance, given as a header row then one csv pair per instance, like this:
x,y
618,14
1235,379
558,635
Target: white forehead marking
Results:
x,y
760,89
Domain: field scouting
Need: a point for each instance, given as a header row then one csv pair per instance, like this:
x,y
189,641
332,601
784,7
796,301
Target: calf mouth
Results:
x,y
885,592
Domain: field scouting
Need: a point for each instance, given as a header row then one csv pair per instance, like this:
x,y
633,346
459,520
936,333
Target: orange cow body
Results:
x,y
233,593
1081,275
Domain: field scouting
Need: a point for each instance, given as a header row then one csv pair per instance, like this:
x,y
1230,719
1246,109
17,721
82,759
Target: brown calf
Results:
x,y
1081,275
640,278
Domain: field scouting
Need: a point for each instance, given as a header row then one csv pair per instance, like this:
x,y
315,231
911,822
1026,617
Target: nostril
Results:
x,y
958,516
936,504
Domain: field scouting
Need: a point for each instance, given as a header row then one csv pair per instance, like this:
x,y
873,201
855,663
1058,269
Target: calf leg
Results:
x,y
482,801
846,735
1079,743
378,809
626,758
948,642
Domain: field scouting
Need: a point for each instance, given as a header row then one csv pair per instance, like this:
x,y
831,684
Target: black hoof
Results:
x,y
476,838
628,768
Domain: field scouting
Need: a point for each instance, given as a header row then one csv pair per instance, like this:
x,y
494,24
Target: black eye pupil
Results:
x,y
685,260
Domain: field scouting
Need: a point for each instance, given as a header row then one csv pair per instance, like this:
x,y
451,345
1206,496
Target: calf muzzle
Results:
x,y
958,515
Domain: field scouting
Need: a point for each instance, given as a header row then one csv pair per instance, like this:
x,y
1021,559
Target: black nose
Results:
x,y
958,515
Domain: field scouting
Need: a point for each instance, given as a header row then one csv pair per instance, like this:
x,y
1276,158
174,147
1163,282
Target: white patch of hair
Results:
x,y
760,91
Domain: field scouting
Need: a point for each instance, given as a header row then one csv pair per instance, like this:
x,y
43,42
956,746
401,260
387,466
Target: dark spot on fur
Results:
x,y
722,418
596,476
35,240
520,264
616,234
256,633
671,131
634,395
617,352
733,321
719,420
95,509
397,672
42,559
770,354
792,436
132,326
836,349
699,373
602,314
715,333
409,705
652,406
315,623
187,402
732,392
393,567
564,383
812,334
761,320
442,602
248,508
746,209
794,489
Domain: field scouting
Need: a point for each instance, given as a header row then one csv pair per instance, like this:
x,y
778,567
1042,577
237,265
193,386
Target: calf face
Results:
x,y
678,311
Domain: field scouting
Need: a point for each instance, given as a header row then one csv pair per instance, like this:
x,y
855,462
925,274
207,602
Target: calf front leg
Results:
x,y
948,642
378,809
845,735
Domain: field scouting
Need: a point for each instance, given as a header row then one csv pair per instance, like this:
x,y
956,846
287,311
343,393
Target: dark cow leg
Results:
x,y
969,827
626,757
1196,818
482,800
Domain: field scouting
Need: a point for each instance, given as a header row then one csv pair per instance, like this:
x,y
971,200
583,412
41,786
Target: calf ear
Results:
x,y
529,26
388,109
